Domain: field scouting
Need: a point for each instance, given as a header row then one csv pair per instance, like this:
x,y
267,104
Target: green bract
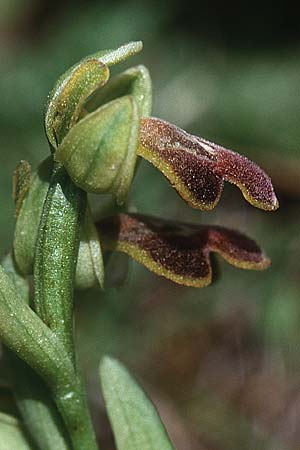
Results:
x,y
99,152
21,183
28,220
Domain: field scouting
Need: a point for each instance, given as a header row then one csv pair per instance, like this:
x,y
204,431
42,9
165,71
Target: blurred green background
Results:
x,y
222,363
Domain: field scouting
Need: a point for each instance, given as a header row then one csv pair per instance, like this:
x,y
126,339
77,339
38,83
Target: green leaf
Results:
x,y
12,435
134,419
37,407
99,152
28,220
25,334
34,401
89,269
135,81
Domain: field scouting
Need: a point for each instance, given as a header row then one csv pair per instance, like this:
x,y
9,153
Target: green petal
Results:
x,y
99,152
135,81
135,421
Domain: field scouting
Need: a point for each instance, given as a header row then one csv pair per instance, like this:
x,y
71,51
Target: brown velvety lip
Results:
x,y
198,168
180,252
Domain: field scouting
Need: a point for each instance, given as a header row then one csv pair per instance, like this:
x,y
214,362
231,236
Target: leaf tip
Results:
x,y
108,365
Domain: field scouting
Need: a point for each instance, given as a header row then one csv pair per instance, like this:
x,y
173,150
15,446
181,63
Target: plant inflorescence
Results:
x,y
97,128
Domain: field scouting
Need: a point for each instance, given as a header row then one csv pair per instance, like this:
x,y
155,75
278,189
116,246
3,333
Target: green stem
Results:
x,y
54,272
73,407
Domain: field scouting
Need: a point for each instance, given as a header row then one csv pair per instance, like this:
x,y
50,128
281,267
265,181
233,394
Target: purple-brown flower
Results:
x,y
177,251
197,168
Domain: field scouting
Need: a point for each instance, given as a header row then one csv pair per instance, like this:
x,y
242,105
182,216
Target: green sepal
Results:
x,y
99,152
72,89
21,183
69,94
28,220
134,420
89,269
12,434
135,81
117,55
